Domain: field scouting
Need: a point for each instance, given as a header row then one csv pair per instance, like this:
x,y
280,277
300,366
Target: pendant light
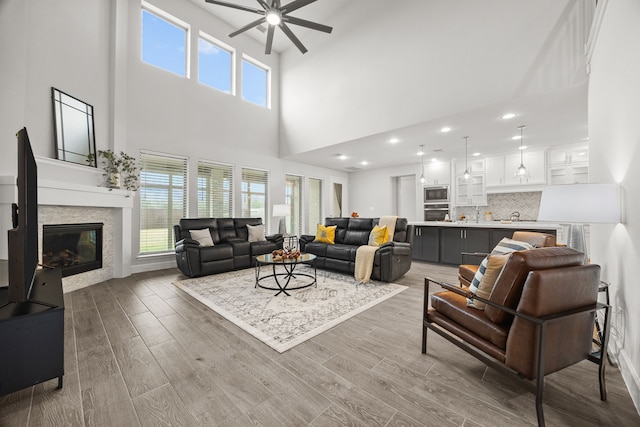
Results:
x,y
466,158
422,178
522,170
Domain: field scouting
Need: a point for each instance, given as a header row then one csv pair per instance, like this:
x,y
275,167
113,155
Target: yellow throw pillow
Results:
x,y
326,234
379,235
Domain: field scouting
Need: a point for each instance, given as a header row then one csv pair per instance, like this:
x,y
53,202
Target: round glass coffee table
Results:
x,y
283,279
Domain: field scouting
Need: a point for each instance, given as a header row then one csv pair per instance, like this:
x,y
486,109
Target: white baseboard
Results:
x,y
628,371
161,265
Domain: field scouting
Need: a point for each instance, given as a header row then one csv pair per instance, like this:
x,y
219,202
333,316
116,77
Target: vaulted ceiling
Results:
x,y
407,68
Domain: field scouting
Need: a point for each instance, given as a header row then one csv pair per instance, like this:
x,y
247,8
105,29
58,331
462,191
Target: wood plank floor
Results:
x,y
140,352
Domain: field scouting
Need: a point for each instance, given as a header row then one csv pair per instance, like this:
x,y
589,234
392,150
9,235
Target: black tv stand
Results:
x,y
32,335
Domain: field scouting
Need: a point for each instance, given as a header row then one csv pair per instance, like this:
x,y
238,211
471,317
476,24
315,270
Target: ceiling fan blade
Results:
x,y
308,24
295,5
293,37
248,26
264,5
235,6
267,48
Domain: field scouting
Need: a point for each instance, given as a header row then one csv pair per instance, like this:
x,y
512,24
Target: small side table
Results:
x,y
601,326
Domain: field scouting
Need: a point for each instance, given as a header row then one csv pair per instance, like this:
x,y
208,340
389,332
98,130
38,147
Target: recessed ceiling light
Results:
x,y
394,140
523,147
434,160
342,157
508,116
516,138
420,153
476,154
364,163
445,129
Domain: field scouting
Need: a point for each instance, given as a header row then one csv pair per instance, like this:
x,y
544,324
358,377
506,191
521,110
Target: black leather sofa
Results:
x,y
392,260
231,248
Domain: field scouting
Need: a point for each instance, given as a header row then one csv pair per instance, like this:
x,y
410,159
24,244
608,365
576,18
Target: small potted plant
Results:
x,y
120,170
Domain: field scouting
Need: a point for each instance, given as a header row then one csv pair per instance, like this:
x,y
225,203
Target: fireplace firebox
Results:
x,y
75,248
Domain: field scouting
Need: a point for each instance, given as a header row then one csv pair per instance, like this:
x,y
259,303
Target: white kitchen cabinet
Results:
x,y
495,171
437,173
534,161
475,166
472,191
568,174
568,154
568,164
501,169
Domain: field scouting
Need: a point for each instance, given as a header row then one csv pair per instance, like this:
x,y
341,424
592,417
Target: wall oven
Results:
x,y
436,211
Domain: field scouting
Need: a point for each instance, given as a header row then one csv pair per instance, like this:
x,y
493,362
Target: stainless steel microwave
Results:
x,y
436,194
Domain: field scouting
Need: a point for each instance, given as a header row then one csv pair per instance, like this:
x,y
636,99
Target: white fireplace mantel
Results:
x,y
68,194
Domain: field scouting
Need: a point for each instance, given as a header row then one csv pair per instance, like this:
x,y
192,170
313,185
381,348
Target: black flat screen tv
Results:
x,y
23,238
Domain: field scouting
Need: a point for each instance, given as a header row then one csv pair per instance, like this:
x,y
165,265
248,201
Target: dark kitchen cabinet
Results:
x,y
426,244
455,241
445,245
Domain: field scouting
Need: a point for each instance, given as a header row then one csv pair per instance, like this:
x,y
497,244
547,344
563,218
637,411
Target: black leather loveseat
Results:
x,y
392,260
231,248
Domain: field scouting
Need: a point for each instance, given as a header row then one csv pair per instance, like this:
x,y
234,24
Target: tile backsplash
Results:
x,y
501,205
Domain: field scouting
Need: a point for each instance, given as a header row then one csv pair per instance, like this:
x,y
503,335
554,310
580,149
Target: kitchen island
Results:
x,y
446,242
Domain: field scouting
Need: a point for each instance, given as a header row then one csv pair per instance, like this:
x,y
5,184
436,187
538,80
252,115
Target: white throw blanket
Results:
x,y
366,253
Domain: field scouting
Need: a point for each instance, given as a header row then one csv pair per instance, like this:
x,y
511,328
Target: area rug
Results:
x,y
283,322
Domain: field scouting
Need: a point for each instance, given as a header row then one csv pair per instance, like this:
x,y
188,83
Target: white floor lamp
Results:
x,y
580,204
281,211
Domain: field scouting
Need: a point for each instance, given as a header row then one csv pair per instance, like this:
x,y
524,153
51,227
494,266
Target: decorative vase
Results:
x,y
113,180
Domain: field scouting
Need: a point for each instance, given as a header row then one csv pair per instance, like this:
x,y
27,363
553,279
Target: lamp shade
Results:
x,y
281,210
580,203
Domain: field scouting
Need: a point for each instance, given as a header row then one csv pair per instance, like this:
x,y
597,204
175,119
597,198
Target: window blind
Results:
x,y
163,200
215,190
314,204
293,198
255,183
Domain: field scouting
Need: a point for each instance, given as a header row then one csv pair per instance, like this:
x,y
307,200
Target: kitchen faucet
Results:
x,y
515,216
477,214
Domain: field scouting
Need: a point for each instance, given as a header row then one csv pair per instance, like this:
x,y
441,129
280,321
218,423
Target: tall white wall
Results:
x,y
64,44
614,133
373,193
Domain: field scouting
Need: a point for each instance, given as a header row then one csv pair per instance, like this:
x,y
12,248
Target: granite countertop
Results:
x,y
529,225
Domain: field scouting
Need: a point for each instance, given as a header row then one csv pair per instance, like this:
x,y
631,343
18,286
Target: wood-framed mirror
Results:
x,y
74,129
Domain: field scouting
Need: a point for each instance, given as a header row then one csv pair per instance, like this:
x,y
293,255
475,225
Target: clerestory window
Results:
x,y
256,82
165,40
216,61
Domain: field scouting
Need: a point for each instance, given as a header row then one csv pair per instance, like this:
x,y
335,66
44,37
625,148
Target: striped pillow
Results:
x,y
505,246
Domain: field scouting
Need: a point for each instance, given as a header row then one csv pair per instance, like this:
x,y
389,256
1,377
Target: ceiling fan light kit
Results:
x,y
273,16
276,15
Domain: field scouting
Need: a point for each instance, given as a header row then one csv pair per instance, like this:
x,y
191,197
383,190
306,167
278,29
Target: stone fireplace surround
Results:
x,y
67,194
